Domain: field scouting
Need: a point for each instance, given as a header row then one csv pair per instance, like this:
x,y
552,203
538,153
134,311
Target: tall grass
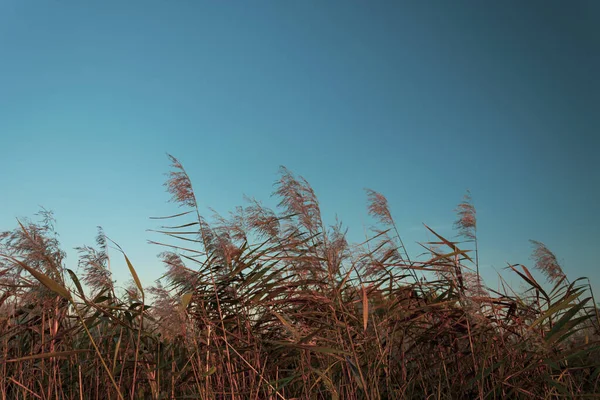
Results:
x,y
275,304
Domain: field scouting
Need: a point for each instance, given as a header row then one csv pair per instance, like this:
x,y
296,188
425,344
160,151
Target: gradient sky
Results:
x,y
417,100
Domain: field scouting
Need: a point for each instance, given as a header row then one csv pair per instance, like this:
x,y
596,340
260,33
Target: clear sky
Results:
x,y
419,100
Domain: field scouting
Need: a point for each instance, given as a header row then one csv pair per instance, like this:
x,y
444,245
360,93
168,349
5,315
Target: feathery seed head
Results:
x,y
179,185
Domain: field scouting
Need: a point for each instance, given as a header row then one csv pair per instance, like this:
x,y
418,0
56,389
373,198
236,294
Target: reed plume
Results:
x,y
546,262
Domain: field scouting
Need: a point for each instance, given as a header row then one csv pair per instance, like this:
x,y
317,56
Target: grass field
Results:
x,y
274,304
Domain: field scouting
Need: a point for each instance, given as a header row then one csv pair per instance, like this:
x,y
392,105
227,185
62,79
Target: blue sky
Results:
x,y
417,100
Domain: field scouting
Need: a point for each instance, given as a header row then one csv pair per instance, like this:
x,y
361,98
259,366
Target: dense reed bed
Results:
x,y
274,304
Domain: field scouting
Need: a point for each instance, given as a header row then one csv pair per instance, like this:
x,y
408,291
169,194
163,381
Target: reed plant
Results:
x,y
276,304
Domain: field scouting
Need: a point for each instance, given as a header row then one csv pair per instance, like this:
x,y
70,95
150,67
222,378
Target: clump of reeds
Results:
x,y
275,304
